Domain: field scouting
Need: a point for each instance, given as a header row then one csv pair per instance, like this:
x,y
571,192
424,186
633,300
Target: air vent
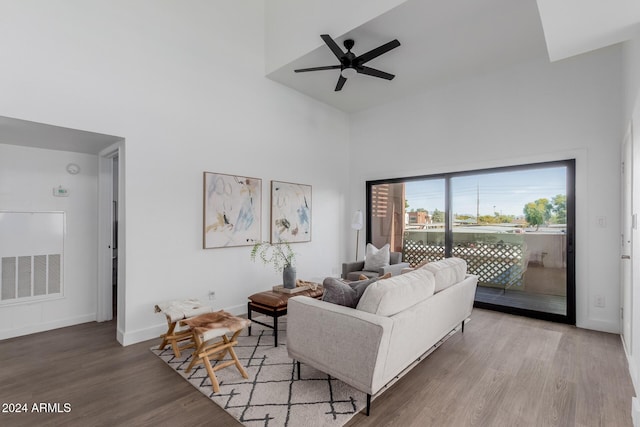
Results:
x,y
25,277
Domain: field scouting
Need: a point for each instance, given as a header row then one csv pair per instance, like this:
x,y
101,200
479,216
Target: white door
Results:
x,y
628,224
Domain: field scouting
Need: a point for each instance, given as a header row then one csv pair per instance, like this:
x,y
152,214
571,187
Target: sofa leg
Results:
x,y
463,326
298,364
368,405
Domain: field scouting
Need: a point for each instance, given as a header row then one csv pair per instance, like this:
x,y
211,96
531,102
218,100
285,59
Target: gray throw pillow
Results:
x,y
346,294
375,258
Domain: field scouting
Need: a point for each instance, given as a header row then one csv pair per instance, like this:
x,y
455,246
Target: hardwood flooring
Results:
x,y
503,371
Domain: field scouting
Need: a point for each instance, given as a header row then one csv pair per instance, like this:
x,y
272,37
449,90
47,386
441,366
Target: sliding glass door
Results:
x,y
513,226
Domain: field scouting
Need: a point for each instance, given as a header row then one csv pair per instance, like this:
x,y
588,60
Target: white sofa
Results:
x,y
395,322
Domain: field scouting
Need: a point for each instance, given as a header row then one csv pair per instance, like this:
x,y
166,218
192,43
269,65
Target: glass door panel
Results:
x,y
410,217
511,227
424,236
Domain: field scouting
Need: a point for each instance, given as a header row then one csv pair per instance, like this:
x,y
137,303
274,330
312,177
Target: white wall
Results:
x,y
532,112
293,27
183,83
27,178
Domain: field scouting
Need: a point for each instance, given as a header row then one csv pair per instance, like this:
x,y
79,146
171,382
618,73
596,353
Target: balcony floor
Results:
x,y
555,304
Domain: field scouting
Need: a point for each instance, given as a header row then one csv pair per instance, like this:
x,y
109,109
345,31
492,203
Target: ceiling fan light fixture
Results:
x,y
350,64
348,72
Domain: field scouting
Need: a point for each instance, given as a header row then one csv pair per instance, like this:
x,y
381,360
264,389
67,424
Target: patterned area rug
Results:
x,y
272,396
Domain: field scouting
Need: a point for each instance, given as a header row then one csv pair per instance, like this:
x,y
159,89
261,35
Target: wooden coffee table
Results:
x,y
274,305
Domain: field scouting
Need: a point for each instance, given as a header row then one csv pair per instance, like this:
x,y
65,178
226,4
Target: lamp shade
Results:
x,y
357,221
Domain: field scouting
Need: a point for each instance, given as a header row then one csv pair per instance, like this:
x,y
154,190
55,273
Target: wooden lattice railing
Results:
x,y
496,264
416,252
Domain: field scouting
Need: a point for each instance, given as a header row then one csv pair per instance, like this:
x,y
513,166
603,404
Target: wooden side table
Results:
x,y
274,305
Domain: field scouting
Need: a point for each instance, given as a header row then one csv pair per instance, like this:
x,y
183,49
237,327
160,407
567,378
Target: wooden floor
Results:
x,y
503,371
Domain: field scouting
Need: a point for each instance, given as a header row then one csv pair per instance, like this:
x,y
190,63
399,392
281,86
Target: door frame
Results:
x,y
568,162
628,224
105,235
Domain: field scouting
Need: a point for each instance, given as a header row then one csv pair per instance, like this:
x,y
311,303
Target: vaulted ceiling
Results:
x,y
442,41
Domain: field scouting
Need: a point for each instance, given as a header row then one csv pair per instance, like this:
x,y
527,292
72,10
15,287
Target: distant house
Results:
x,y
419,218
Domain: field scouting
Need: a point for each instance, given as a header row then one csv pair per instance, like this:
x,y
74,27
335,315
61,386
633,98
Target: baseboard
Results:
x,y
140,335
153,332
635,403
633,371
237,310
120,336
599,325
47,326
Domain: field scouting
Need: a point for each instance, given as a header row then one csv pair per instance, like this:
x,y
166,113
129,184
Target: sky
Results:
x,y
504,192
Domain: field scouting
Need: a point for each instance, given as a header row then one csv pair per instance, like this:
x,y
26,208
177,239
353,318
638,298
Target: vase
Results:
x,y
289,277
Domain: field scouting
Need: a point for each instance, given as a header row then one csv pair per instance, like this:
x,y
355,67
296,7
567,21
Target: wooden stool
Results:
x,y
174,312
207,327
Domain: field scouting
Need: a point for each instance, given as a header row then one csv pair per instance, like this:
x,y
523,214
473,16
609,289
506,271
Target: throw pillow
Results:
x,y
346,294
375,258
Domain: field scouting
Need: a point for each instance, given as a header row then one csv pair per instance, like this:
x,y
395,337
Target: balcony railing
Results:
x,y
499,259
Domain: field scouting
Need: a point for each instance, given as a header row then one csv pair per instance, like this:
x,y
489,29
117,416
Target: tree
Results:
x,y
537,212
438,216
486,219
560,208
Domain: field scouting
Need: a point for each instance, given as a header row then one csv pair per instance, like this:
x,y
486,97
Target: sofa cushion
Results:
x,y
375,258
390,296
348,294
447,272
422,263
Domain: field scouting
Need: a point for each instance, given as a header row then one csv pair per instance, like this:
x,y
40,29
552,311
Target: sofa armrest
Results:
x,y
349,344
394,269
348,267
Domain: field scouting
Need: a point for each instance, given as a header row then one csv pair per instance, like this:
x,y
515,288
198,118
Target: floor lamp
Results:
x,y
357,223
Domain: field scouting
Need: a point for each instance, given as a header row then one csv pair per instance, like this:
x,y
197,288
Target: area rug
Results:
x,y
273,396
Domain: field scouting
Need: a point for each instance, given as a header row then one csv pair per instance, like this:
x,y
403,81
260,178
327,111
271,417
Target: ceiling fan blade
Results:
x,y
374,53
333,46
375,73
328,67
341,82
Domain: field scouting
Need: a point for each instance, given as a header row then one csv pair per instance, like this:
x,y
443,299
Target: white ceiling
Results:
x,y
440,41
572,27
39,135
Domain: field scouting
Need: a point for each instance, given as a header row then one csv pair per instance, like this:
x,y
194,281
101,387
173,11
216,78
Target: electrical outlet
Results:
x,y
212,295
599,301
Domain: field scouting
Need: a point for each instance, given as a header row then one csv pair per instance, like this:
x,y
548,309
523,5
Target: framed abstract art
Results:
x,y
290,212
232,210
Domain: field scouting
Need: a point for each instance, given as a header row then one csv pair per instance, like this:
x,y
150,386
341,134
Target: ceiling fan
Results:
x,y
350,64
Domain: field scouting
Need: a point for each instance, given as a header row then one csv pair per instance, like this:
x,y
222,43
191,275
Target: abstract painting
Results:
x,y
232,206
290,212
